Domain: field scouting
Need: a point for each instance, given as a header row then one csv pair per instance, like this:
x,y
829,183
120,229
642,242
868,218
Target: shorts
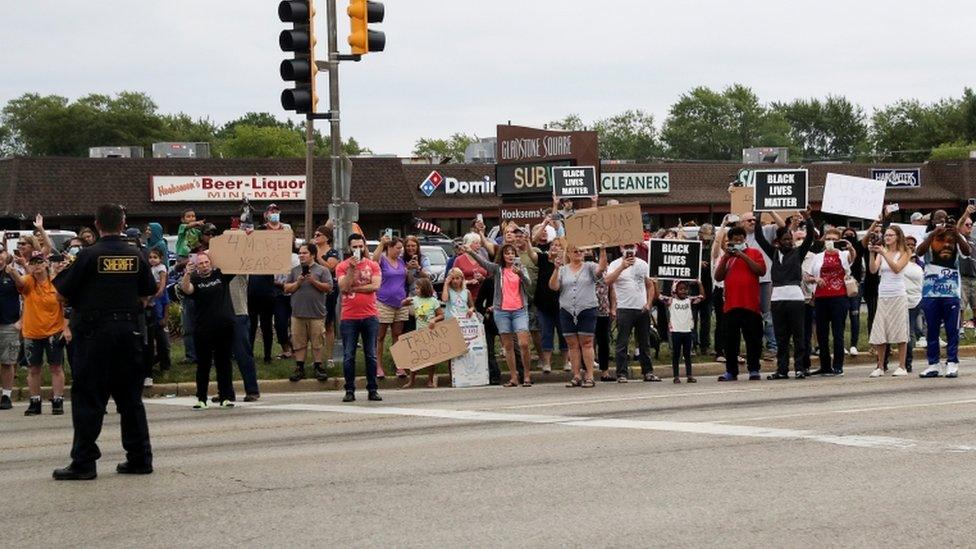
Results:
x,y
9,344
968,293
509,322
305,330
331,301
52,347
389,315
584,324
533,319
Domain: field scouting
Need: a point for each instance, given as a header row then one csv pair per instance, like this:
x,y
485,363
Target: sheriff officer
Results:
x,y
107,286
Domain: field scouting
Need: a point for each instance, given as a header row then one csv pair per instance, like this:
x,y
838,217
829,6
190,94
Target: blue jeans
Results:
x,y
547,324
186,317
351,331
244,354
765,294
939,311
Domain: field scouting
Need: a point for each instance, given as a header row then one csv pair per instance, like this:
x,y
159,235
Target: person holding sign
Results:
x,y
891,320
509,306
787,299
576,283
428,311
740,268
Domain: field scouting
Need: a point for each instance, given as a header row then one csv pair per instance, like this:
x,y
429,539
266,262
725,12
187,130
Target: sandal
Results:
x,y
589,384
575,382
527,384
511,384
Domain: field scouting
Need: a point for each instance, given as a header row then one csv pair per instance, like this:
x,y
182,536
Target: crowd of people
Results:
x,y
785,288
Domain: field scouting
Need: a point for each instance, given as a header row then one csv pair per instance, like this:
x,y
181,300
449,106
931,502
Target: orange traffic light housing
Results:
x,y
361,38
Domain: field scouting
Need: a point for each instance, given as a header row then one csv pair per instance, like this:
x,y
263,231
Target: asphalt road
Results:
x,y
820,462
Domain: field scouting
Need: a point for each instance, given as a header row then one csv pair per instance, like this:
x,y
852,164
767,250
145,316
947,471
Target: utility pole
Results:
x,y
338,199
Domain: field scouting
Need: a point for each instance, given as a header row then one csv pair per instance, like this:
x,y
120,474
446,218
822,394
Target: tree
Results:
x,y
569,123
452,147
628,135
833,128
258,120
181,127
707,125
248,141
908,130
957,150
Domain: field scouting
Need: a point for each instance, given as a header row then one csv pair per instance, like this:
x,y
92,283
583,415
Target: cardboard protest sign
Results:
x,y
777,190
471,368
574,181
918,231
421,348
675,259
261,252
853,196
612,225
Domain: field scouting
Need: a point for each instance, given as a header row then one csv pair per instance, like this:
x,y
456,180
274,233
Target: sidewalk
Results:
x,y
336,382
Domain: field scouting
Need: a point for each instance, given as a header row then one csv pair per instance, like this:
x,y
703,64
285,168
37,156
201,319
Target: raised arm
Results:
x,y
764,244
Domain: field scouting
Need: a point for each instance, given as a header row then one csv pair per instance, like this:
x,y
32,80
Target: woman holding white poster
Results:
x,y
578,308
891,320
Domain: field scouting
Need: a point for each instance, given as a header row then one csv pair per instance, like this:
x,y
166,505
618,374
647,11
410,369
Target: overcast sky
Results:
x,y
462,65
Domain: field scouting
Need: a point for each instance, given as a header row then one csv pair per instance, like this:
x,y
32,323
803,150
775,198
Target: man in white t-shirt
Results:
x,y
634,290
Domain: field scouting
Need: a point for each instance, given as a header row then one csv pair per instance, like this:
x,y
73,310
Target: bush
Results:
x,y
173,319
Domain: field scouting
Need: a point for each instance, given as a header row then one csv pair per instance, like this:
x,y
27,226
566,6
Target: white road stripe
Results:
x,y
855,410
625,398
703,428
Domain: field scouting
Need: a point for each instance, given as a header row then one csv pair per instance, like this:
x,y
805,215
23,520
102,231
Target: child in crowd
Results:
x,y
188,236
428,312
457,299
159,340
682,326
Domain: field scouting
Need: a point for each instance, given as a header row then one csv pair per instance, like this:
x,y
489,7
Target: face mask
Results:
x,y
74,250
739,247
274,218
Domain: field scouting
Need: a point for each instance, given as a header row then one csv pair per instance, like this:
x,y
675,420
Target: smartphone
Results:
x,y
306,269
358,254
840,244
388,233
56,258
629,253
481,218
891,208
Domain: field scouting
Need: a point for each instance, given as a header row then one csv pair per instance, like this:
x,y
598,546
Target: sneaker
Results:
x,y
692,380
350,397
878,372
57,406
651,377
374,396
755,376
34,408
921,342
899,372
853,351
148,382
547,369
942,343
201,405
5,403
621,379
727,377
952,369
298,375
226,404
567,367
252,397
720,358
321,374
932,371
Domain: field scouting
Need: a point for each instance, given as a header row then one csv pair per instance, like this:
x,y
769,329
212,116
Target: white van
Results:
x,y
58,237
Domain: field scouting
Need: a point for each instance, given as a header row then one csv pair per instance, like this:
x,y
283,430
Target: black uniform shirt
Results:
x,y
107,277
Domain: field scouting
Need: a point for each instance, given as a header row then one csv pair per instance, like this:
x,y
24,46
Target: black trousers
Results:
x,y
681,345
788,322
602,340
491,332
282,319
260,309
107,361
749,326
703,324
718,302
629,320
214,348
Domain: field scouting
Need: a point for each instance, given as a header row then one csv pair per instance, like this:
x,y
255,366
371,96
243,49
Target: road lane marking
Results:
x,y
624,399
854,410
701,428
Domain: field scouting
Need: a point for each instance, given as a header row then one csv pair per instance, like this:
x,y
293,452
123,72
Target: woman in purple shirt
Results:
x,y
390,305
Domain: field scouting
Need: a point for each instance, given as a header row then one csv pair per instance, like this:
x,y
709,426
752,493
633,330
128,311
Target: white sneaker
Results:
x,y
934,370
568,367
546,369
921,342
899,372
878,372
147,382
942,343
853,351
952,369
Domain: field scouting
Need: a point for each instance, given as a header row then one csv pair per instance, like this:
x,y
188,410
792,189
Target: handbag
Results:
x,y
852,286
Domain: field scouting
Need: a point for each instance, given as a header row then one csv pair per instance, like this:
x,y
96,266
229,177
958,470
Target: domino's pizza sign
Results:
x,y
452,185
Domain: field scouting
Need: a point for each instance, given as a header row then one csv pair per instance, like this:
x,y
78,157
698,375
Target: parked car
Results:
x,y
58,238
438,264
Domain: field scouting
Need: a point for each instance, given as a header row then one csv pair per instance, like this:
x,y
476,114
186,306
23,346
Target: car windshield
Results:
x,y
435,254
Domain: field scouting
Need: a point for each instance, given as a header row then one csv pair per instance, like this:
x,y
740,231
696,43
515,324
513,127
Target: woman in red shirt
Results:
x,y
474,274
829,269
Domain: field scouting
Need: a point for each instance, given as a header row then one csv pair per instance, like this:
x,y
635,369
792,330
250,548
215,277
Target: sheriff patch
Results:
x,y
125,264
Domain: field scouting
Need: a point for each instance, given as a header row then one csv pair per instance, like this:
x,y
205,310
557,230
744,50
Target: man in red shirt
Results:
x,y
740,268
359,278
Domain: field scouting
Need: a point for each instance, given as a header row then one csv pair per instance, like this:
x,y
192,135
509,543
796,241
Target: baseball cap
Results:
x,y
36,257
917,216
272,207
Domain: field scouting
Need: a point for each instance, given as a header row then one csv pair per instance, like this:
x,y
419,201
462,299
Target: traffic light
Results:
x,y
301,69
361,38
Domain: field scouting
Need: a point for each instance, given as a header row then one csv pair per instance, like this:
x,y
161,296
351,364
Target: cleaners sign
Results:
x,y
777,190
574,181
672,259
635,183
231,188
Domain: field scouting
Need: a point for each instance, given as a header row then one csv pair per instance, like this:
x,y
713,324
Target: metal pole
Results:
x,y
309,179
338,227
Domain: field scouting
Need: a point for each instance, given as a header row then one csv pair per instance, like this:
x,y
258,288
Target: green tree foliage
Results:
x,y
833,128
708,125
246,141
452,147
957,150
907,130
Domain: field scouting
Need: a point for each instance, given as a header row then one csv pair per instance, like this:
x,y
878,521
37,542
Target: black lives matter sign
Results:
x,y
778,190
675,259
574,181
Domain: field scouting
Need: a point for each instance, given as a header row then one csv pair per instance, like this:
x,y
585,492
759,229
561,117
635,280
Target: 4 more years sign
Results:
x,y
194,188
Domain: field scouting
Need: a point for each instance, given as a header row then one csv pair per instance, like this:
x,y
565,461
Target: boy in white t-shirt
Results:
x,y
681,324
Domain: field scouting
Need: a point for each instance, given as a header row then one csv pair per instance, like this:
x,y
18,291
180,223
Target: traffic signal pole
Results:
x,y
338,198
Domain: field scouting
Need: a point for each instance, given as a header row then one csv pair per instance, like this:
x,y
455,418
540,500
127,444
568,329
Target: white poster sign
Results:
x,y
853,196
918,231
230,188
635,183
471,368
